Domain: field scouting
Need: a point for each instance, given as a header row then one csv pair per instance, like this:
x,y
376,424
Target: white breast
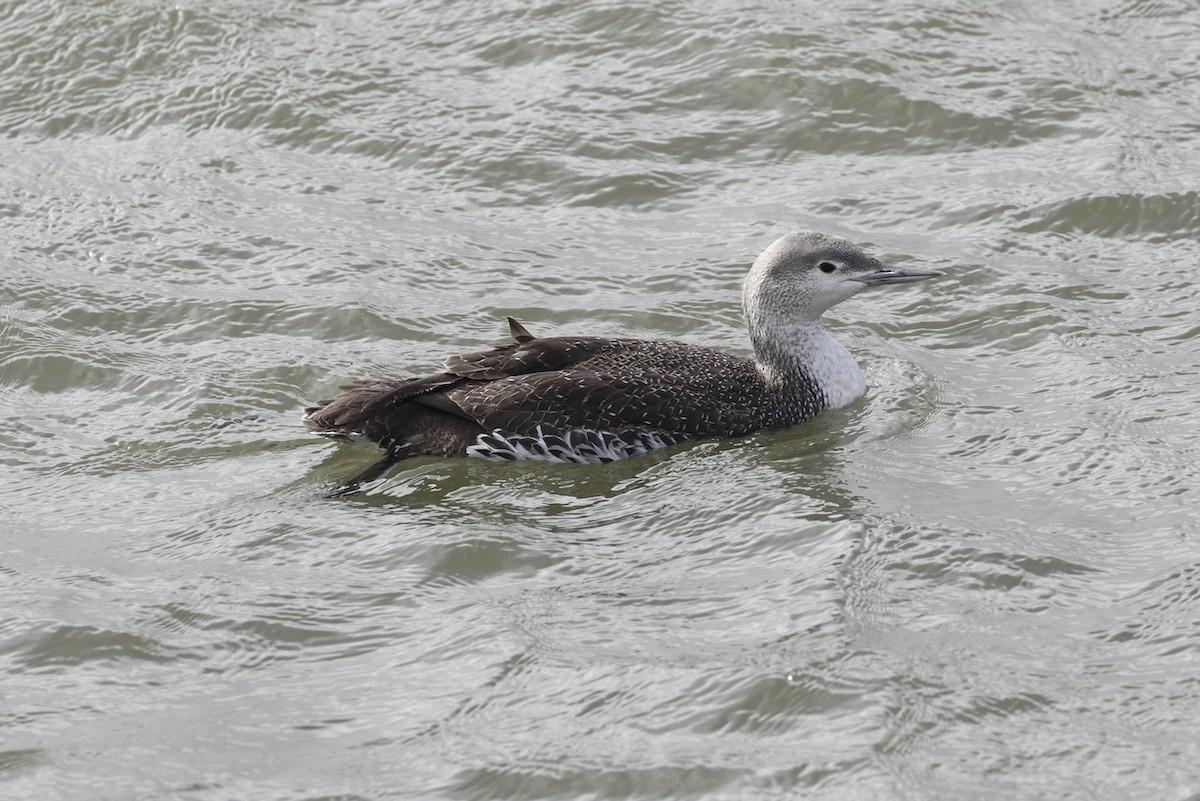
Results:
x,y
835,371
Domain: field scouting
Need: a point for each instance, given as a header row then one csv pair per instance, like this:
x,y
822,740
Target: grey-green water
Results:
x,y
982,581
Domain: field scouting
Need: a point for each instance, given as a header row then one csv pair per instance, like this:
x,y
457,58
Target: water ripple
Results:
x,y
977,581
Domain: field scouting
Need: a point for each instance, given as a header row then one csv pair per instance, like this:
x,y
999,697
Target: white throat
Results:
x,y
834,369
794,347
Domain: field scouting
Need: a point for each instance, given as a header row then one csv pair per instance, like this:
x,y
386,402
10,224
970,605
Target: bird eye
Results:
x,y
826,267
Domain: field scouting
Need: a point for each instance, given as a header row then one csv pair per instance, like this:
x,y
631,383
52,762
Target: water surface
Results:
x,y
980,581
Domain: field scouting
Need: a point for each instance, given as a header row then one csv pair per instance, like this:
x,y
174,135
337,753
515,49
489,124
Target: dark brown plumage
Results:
x,y
624,386
588,399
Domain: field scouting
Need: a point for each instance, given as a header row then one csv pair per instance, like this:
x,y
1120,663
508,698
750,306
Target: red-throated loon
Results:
x,y
591,400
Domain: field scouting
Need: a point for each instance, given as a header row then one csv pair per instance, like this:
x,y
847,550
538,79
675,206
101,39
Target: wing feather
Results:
x,y
564,383
531,356
622,385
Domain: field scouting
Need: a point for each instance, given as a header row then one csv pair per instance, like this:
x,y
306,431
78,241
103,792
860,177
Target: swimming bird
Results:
x,y
590,399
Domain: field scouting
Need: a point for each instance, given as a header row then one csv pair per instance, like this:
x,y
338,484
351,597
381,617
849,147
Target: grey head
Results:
x,y
802,274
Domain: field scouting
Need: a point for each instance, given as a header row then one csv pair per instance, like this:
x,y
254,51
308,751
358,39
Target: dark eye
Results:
x,y
826,267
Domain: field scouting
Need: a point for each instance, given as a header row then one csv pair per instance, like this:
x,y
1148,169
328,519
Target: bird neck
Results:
x,y
795,354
